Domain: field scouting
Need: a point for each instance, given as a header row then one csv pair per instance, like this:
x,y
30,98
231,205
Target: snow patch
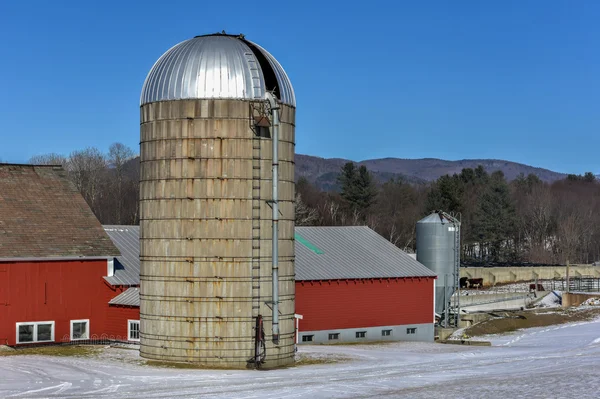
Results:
x,y
591,302
552,300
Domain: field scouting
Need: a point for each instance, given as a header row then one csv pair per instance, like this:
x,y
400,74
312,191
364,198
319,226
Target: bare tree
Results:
x,y
118,155
398,208
536,221
356,217
393,236
49,159
305,216
87,169
373,221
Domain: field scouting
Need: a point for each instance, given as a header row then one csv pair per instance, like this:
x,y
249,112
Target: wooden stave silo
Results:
x,y
199,164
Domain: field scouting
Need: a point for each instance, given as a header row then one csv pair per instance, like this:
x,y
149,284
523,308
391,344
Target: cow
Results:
x,y
475,283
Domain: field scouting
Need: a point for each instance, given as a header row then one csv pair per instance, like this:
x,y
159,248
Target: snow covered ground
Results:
x,y
551,300
560,361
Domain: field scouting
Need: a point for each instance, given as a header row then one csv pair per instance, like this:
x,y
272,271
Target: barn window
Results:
x,y
334,336
411,330
386,333
307,338
361,334
133,330
41,331
80,329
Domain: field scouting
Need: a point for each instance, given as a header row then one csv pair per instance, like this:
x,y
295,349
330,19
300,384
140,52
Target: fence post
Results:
x,y
568,280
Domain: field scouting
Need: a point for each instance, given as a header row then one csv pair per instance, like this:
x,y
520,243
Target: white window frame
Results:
x,y
129,330
386,332
358,334
411,330
88,329
35,331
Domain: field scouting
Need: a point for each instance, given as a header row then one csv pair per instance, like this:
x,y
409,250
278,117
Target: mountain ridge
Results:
x,y
323,171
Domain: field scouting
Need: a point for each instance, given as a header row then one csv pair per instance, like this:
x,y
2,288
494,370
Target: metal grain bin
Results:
x,y
437,248
206,205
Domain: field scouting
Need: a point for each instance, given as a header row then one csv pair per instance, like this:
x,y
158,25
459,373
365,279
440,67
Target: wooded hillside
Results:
x,y
525,220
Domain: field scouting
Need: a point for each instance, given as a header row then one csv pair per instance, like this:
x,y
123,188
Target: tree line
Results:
x,y
109,182
518,222
522,221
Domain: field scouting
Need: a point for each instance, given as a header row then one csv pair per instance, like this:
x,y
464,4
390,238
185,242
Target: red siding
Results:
x,y
59,291
116,321
364,303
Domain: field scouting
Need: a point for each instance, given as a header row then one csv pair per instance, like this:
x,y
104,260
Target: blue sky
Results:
x,y
514,80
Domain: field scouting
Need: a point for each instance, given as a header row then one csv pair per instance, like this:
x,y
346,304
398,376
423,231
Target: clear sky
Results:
x,y
514,80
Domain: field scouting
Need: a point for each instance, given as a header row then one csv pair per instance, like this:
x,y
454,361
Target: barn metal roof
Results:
x,y
322,253
127,267
43,216
351,252
129,297
215,66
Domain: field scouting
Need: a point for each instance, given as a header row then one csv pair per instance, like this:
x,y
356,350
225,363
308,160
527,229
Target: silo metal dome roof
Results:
x,y
216,66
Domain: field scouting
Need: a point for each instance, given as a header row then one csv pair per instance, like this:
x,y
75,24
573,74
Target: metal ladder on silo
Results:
x,y
256,221
457,250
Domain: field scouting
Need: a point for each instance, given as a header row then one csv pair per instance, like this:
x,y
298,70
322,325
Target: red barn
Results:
x,y
54,255
64,277
353,285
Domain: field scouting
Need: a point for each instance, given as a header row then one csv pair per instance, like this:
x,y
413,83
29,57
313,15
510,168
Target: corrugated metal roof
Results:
x,y
129,297
213,66
322,253
351,252
127,267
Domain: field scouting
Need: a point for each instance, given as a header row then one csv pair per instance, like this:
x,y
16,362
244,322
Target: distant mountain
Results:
x,y
323,171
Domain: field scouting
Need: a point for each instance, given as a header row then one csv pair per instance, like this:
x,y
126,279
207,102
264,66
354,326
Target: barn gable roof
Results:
x,y
322,253
43,215
351,252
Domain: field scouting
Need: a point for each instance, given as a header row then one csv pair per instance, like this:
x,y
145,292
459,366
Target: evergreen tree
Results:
x,y
357,187
446,194
481,175
348,183
589,177
495,222
367,191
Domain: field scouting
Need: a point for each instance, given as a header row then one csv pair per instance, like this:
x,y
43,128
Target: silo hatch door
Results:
x,y
261,127
259,120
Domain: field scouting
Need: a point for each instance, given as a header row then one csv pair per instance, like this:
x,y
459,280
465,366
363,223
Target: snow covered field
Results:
x,y
560,361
